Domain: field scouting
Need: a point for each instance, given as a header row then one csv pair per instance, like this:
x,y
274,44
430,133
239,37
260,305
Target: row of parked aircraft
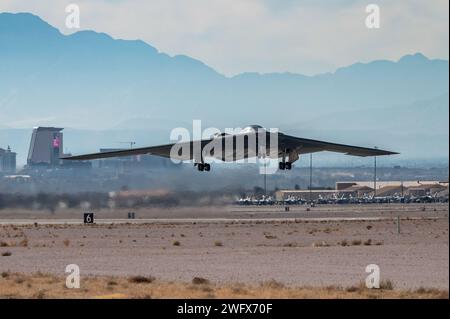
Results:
x,y
293,200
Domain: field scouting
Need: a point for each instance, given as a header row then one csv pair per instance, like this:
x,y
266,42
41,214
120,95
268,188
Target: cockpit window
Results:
x,y
252,128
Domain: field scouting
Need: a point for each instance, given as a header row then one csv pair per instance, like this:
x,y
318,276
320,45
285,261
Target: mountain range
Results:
x,y
89,82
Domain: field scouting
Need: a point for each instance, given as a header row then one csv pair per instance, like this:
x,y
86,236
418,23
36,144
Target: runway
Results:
x,y
178,221
229,212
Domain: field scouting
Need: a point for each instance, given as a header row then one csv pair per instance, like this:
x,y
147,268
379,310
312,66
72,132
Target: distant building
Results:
x,y
397,188
390,188
362,188
46,147
7,161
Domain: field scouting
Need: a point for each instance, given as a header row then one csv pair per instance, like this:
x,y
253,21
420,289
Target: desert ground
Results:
x,y
39,286
235,251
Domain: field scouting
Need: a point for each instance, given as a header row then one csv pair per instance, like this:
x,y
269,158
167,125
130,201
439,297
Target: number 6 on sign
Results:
x,y
88,218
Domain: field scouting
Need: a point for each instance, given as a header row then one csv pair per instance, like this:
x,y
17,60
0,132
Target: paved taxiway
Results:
x,y
176,221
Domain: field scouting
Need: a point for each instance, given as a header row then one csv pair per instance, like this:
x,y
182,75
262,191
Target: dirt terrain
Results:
x,y
304,252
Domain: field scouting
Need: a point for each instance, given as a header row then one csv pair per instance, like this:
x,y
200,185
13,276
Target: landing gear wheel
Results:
x,y
200,167
207,167
281,165
288,165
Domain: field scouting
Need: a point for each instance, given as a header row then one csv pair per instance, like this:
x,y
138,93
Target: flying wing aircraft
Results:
x,y
252,141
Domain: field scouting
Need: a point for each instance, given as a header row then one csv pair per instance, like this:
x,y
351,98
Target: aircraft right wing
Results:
x,y
162,150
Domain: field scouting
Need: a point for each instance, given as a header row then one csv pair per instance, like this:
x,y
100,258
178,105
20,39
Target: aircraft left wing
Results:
x,y
305,146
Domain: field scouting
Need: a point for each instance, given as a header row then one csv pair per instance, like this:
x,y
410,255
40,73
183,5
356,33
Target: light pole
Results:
x,y
402,187
310,178
375,176
265,178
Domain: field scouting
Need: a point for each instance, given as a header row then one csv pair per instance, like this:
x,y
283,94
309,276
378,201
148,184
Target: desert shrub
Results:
x,y
141,279
356,242
200,281
343,243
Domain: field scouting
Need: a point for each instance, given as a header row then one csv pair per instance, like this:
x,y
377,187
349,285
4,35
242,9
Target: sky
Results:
x,y
236,36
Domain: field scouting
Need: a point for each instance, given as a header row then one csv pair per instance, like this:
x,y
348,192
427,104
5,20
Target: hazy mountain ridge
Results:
x,y
90,81
422,115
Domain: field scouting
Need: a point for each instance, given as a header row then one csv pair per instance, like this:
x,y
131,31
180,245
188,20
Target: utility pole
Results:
x,y
265,178
310,178
402,187
375,177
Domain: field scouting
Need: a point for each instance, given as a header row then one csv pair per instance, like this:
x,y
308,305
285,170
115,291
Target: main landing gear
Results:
x,y
203,167
285,165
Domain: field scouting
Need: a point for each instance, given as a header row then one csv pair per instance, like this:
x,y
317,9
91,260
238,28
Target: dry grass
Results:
x,y
386,284
38,286
273,284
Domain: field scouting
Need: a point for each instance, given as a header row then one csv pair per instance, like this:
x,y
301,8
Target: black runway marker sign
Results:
x,y
88,218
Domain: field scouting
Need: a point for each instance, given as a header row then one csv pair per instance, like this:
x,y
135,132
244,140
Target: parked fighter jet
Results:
x,y
252,141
